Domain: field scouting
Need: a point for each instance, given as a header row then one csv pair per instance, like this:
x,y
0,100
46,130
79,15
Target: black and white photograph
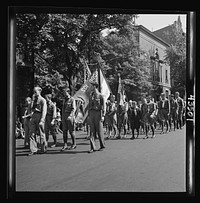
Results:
x,y
101,102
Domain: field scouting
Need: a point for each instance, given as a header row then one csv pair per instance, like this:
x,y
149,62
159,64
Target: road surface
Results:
x,y
151,165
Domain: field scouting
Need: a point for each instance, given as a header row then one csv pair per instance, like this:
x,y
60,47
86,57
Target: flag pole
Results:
x,y
98,69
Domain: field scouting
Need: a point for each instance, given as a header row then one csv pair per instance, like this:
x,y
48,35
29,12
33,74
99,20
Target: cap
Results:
x,y
37,88
171,95
112,96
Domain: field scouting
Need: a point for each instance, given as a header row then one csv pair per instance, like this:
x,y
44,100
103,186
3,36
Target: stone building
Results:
x,y
154,48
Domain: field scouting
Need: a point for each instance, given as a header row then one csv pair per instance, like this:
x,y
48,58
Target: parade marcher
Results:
x,y
122,117
50,126
150,117
164,109
97,110
58,121
173,112
68,119
135,119
130,103
180,110
37,121
111,116
144,115
27,115
184,112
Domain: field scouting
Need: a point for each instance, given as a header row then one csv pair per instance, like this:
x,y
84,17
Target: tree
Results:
x,y
54,43
121,49
176,57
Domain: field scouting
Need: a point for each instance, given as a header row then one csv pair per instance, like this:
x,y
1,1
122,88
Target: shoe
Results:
x,y
118,137
73,147
53,145
101,148
91,151
146,137
64,148
153,136
162,132
32,153
132,138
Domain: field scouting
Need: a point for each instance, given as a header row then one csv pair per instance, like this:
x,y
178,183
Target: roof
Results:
x,y
151,34
161,33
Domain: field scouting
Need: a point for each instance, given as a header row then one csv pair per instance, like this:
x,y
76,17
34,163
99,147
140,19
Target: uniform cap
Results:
x,y
38,88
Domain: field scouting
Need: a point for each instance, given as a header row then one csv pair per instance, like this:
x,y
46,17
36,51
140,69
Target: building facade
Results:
x,y
154,49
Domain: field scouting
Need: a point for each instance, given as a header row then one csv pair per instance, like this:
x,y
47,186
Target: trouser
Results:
x,y
122,122
68,125
179,120
164,119
50,128
26,132
133,128
173,118
34,128
96,127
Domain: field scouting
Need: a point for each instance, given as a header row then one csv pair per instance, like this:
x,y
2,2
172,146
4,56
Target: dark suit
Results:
x,y
135,119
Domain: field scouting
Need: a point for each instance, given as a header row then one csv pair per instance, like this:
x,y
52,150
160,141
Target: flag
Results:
x,y
84,92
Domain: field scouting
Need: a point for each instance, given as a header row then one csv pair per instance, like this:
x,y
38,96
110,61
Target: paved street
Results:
x,y
151,165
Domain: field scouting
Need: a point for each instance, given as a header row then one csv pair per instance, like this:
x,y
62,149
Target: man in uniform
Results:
x,y
122,117
68,119
135,118
111,116
37,122
180,110
173,112
27,115
97,110
50,119
151,116
164,109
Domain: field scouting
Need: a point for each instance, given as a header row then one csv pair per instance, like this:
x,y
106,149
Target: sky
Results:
x,y
154,22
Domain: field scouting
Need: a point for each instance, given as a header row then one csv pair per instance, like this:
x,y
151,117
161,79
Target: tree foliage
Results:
x,y
122,50
54,44
176,57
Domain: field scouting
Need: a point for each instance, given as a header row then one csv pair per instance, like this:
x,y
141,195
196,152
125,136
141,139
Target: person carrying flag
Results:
x,y
96,113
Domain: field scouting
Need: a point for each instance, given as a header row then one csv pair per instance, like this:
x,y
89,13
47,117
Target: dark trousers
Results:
x,y
96,127
34,128
50,128
68,125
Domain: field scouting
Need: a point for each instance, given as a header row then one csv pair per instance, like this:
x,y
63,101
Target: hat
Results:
x,y
172,95
112,96
37,88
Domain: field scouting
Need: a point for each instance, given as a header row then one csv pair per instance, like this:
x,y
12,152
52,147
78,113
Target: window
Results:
x,y
166,76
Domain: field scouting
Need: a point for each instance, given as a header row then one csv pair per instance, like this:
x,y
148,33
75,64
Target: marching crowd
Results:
x,y
42,118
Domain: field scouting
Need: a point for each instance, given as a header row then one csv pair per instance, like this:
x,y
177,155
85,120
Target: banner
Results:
x,y
83,94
